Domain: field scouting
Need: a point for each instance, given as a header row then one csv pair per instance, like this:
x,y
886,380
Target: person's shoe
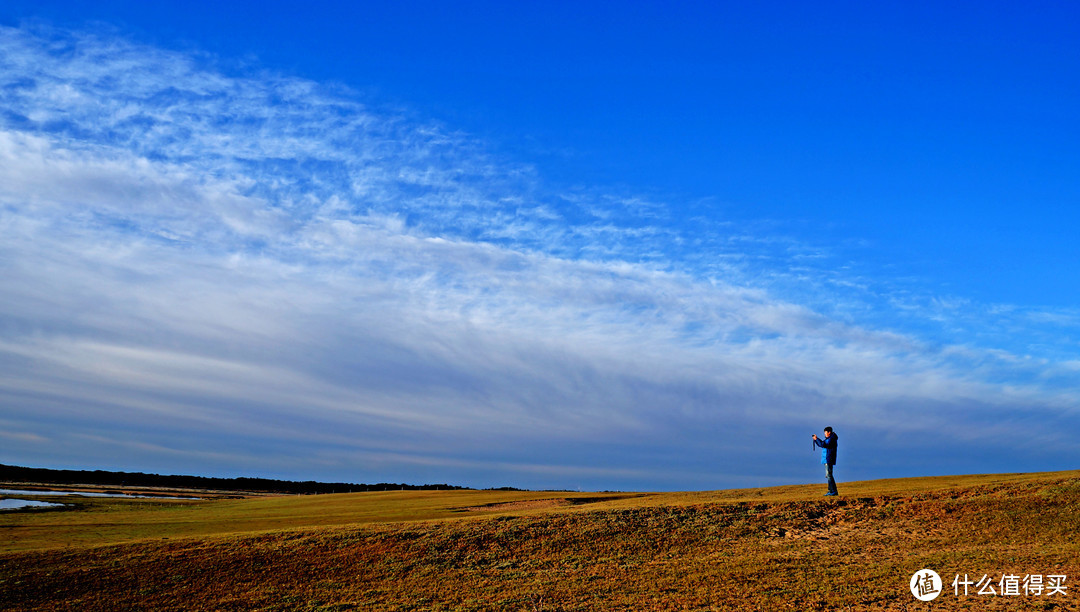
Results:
x,y
831,494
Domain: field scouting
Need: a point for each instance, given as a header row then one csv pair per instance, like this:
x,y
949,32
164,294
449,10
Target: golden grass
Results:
x,y
102,521
781,548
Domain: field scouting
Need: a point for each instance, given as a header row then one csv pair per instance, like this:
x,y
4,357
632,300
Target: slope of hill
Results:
x,y
765,549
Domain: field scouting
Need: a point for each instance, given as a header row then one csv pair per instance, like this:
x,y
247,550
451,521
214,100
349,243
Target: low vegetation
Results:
x,y
774,549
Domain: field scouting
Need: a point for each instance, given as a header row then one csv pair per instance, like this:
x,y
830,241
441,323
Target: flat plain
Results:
x,y
779,548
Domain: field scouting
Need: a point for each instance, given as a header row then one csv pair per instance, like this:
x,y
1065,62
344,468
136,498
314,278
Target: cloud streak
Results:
x,y
219,270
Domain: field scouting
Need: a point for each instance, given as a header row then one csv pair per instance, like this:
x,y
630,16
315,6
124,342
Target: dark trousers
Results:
x,y
829,478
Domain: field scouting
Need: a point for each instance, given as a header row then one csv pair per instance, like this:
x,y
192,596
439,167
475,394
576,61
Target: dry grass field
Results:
x,y
782,548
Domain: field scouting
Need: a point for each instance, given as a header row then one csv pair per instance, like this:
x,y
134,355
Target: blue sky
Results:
x,y
551,245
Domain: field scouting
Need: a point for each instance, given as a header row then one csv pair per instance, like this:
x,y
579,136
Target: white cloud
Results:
x,y
260,262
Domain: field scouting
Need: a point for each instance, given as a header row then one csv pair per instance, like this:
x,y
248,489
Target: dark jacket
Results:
x,y
828,449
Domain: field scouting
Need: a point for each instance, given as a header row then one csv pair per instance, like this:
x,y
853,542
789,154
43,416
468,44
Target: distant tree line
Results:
x,y
13,473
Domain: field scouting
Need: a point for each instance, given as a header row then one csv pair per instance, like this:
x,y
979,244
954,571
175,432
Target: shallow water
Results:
x,y
15,504
84,494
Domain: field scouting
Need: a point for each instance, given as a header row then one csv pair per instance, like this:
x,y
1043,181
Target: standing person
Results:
x,y
828,457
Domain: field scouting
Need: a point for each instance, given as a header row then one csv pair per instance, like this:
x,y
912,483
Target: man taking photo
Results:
x,y
828,457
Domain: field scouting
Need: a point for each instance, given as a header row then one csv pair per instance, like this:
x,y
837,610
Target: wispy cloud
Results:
x,y
231,267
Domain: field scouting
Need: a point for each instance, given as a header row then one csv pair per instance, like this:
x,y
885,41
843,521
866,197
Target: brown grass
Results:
x,y
757,549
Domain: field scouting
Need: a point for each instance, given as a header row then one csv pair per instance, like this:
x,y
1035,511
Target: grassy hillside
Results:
x,y
783,548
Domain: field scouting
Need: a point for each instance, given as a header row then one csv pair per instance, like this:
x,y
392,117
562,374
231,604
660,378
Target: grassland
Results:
x,y
783,548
